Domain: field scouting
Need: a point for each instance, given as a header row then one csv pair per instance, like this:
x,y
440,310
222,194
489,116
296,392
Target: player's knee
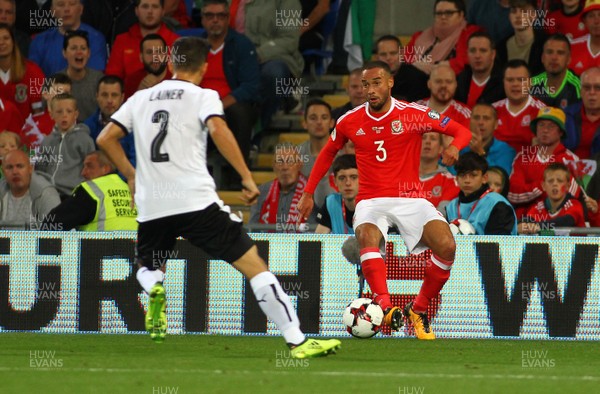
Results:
x,y
368,236
446,248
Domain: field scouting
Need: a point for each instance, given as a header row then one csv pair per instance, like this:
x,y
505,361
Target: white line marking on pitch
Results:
x,y
299,371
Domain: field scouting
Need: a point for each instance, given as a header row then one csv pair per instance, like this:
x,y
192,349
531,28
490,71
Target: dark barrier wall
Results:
x,y
527,287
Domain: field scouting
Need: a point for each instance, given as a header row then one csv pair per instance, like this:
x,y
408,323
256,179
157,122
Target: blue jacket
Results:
x,y
334,207
46,50
498,154
573,126
491,207
95,125
240,64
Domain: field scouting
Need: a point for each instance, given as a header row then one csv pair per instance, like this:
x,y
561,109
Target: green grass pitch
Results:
x,y
48,363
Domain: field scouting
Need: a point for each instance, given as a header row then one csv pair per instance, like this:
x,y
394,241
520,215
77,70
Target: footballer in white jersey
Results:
x,y
176,195
170,133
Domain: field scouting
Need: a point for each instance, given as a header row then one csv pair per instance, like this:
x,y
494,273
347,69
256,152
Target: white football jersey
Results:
x,y
169,125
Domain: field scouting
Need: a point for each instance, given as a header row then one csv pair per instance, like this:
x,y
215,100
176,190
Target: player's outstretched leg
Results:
x,y
276,304
156,317
437,235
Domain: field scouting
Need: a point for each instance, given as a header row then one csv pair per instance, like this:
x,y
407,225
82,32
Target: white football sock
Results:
x,y
277,306
159,275
146,278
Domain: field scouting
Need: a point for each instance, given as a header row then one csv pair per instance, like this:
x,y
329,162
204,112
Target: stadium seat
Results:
x,y
336,100
294,138
261,177
327,26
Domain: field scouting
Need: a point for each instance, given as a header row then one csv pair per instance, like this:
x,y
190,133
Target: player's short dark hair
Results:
x,y
559,37
137,3
387,37
470,161
557,167
69,34
516,63
316,101
377,64
343,162
459,4
110,80
482,34
152,36
504,175
487,105
191,53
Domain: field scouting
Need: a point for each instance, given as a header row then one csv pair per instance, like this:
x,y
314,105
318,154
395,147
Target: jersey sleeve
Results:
x,y
431,120
210,106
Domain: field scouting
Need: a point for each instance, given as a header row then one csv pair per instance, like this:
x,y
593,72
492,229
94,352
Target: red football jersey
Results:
x,y
572,207
27,91
581,55
455,110
570,25
513,128
441,186
528,172
388,147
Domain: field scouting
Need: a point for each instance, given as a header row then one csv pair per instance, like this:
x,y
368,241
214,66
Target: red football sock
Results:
x,y
374,270
435,278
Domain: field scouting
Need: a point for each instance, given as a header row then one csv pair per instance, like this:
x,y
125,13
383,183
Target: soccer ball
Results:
x,y
363,318
462,227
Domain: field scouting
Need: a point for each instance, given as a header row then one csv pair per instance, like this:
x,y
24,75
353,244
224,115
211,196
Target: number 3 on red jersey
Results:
x,y
381,150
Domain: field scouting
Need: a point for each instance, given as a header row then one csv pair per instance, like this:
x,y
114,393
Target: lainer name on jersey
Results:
x,y
171,94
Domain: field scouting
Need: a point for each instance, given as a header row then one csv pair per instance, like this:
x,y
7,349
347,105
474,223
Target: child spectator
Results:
x,y
62,152
335,216
8,141
489,212
39,123
498,180
559,209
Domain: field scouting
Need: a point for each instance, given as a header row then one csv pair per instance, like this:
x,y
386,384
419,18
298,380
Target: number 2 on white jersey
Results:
x,y
381,149
162,118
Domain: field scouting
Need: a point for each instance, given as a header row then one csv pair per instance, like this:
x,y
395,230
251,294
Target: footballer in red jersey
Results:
x,y
559,209
387,136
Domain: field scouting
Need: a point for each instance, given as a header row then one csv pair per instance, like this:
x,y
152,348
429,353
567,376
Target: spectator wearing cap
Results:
x,y
584,50
583,118
530,162
46,48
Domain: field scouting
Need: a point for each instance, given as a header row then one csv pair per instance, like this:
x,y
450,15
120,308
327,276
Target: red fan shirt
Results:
x,y
570,25
438,187
582,57
539,212
513,128
528,173
27,91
